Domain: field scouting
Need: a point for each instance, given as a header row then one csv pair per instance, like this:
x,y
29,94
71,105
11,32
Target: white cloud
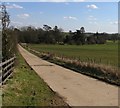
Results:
x,y
24,16
92,18
12,6
115,22
70,17
17,6
90,22
92,6
16,23
93,22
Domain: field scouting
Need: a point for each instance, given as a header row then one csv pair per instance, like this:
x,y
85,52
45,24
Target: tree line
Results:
x,y
49,35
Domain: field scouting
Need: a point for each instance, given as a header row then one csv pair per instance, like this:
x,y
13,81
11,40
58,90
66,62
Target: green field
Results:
x,y
101,54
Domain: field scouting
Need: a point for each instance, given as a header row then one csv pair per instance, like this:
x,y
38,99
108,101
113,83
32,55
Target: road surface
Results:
x,y
75,88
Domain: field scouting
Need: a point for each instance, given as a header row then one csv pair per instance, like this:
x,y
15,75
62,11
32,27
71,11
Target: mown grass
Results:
x,y
26,88
101,54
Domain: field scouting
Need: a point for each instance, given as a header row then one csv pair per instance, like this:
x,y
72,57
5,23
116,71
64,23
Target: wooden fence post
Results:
x,y
6,68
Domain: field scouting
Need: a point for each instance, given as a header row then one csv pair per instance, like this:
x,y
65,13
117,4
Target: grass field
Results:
x,y
26,88
101,54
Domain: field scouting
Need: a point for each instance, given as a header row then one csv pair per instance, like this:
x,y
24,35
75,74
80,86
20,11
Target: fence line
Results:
x,y
6,68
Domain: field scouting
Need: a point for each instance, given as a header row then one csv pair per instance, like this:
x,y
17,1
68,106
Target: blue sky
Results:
x,y
94,16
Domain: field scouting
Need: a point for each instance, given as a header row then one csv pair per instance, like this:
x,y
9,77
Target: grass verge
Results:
x,y
104,73
25,88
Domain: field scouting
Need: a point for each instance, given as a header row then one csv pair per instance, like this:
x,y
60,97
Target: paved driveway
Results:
x,y
75,88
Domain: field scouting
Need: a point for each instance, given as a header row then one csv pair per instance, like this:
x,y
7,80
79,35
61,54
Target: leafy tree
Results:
x,y
114,37
82,30
9,39
91,40
5,23
57,34
68,39
79,37
46,27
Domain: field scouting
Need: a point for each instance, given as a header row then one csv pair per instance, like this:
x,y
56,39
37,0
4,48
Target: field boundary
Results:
x,y
100,72
6,68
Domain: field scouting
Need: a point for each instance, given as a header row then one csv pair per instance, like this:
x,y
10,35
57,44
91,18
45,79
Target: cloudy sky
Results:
x,y
94,16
